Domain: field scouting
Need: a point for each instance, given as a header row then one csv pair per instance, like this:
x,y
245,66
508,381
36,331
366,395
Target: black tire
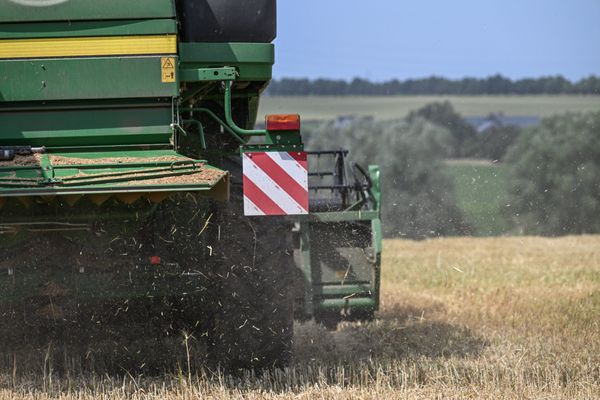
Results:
x,y
249,21
254,327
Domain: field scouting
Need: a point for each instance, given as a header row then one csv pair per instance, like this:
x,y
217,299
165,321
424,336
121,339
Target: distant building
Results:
x,y
343,121
482,124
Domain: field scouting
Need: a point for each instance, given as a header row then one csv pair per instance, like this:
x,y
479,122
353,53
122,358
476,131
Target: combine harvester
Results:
x,y
136,194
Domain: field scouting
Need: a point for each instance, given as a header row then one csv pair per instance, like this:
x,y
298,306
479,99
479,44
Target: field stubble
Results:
x,y
461,318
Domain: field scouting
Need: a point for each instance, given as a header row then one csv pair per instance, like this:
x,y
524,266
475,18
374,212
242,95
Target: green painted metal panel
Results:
x,y
83,78
224,53
87,29
139,173
254,61
79,10
352,303
208,74
91,167
86,127
105,189
341,216
340,257
344,290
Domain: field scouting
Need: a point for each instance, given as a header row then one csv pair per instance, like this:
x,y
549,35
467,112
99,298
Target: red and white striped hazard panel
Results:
x,y
275,183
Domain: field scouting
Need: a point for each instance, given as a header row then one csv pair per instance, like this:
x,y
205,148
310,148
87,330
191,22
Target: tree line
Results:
x,y
466,142
418,198
554,169
434,85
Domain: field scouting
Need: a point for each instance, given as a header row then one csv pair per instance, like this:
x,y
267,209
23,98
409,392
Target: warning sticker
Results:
x,y
168,69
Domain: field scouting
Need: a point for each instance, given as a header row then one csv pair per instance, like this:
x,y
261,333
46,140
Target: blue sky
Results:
x,y
386,39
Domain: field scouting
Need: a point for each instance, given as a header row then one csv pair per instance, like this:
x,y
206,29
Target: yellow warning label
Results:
x,y
168,69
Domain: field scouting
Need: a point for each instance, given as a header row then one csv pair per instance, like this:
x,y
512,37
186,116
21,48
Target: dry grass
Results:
x,y
496,318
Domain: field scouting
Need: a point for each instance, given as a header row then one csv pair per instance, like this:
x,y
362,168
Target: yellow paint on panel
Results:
x,y
88,46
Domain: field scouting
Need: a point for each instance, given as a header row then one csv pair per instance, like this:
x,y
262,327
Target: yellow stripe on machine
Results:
x,y
88,46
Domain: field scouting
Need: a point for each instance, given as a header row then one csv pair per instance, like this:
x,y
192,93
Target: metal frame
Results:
x,y
341,299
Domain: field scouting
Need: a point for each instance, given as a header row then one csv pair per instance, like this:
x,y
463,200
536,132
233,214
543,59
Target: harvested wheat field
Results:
x,y
495,318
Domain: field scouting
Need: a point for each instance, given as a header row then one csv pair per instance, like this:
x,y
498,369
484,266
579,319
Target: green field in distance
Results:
x,y
396,107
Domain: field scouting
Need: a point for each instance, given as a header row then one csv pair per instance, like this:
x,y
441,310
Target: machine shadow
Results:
x,y
398,333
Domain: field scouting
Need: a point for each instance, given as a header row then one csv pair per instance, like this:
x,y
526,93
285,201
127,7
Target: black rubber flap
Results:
x,y
250,21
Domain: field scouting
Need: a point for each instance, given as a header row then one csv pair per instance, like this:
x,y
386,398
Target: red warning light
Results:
x,y
284,122
155,260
